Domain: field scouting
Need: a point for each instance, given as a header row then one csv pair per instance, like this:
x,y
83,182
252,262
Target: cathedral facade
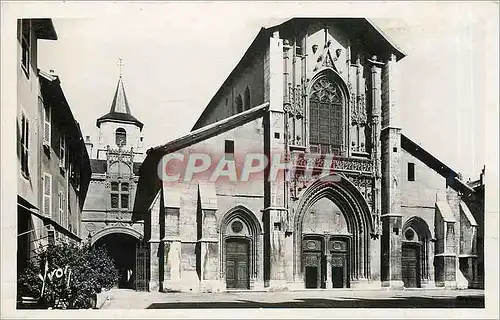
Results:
x,y
359,205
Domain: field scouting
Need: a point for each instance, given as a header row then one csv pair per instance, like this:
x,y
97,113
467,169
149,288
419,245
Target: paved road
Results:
x,y
128,299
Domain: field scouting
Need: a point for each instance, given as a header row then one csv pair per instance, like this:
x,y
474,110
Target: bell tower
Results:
x,y
119,129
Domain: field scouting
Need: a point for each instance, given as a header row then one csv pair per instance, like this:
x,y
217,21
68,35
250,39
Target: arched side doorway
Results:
x,y
241,239
121,247
332,235
416,252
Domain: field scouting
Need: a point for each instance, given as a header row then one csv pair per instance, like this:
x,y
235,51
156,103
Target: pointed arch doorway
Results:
x,y
334,224
326,246
241,238
416,253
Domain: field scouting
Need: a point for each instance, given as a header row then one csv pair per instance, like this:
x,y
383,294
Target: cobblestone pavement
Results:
x,y
422,298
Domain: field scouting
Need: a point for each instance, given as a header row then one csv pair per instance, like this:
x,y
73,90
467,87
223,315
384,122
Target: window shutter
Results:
x,y
47,192
61,207
46,126
26,143
62,152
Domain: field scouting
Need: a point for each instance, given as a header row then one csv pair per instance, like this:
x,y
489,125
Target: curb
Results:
x,y
101,300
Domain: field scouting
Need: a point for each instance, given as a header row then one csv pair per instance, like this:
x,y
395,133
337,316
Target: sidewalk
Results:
x,y
129,299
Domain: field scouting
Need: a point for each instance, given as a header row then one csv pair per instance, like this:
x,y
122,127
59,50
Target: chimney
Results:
x,y
88,145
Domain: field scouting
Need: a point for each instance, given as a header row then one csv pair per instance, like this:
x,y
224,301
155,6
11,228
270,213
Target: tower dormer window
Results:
x,y
121,137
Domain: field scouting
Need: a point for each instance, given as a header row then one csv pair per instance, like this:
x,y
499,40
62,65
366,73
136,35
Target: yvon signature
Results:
x,y
58,273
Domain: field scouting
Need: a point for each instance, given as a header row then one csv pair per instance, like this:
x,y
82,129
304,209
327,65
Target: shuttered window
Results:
x,y
24,145
47,194
62,151
25,45
46,125
62,202
326,117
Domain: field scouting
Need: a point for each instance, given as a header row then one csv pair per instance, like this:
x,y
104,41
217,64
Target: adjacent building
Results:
x,y
53,164
362,205
107,214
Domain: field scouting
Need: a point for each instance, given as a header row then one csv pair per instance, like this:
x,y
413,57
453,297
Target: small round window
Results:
x,y
237,226
409,234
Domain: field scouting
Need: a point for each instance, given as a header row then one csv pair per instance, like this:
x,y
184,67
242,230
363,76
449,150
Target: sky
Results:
x,y
176,56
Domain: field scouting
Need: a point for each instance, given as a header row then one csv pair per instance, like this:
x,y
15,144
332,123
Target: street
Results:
x,y
432,298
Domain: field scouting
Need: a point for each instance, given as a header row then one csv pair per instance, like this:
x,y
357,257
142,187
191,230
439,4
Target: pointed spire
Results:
x,y
120,102
120,109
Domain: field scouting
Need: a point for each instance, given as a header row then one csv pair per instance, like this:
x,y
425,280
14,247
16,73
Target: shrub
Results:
x,y
72,274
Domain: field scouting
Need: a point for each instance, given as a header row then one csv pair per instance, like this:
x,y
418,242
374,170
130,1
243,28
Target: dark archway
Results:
x,y
121,248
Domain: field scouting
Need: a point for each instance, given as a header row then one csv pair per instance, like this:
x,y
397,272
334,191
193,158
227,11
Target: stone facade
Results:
x,y
107,213
364,206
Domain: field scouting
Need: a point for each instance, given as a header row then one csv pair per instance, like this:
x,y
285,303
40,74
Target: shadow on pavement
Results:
x,y
410,302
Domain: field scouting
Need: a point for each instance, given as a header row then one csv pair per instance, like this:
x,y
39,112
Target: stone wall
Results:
x,y
223,104
192,257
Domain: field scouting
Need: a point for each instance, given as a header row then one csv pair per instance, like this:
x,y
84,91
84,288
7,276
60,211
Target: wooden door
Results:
x,y
339,271
237,264
410,266
312,270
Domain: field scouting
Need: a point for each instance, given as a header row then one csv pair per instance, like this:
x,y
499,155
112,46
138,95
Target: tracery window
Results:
x,y
326,117
119,195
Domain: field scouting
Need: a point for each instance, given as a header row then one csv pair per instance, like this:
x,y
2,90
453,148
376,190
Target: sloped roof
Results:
x,y
468,214
445,210
99,166
453,178
44,29
120,109
51,90
149,182
360,28
211,130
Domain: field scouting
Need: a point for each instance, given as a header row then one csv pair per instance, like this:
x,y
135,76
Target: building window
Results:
x,y
46,125
247,99
298,47
24,145
119,195
121,137
25,45
62,151
229,150
62,218
326,123
411,171
239,104
47,194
